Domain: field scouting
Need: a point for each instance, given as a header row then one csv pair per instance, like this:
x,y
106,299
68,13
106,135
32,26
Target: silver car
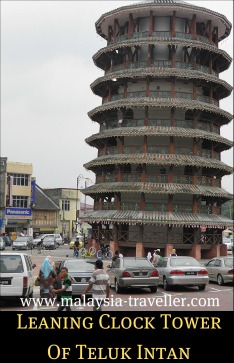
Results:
x,y
183,271
220,269
129,272
81,271
22,243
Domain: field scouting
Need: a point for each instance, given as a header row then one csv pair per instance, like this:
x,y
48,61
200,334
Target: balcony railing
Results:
x,y
154,149
160,35
159,178
188,124
162,64
159,207
160,94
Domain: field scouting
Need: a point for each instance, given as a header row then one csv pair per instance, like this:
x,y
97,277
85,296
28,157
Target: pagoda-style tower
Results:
x,y
159,169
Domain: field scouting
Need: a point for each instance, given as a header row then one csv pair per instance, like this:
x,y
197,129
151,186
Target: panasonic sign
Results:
x,y
18,213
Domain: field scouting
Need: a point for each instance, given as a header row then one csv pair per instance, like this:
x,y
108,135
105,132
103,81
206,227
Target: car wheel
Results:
x,y
201,287
166,286
153,289
118,289
220,280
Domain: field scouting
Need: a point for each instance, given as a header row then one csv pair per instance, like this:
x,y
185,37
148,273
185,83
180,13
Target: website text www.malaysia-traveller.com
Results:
x,y
164,301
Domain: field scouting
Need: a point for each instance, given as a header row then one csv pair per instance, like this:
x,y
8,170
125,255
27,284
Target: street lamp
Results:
x,y
80,177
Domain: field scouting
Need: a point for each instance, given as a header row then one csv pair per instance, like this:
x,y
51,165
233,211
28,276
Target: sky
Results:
x,y
46,72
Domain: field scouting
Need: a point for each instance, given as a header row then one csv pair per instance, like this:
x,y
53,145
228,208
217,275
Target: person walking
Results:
x,y
65,291
149,256
100,283
156,256
76,247
46,277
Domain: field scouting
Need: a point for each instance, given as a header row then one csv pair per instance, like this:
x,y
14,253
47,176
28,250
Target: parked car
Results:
x,y
80,271
8,240
220,269
22,243
129,272
183,271
50,243
41,237
16,275
2,244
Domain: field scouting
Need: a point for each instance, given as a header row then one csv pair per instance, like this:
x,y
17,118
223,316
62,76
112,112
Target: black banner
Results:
x,y
112,336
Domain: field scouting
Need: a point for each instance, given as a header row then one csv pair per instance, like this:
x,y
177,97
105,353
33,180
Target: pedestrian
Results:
x,y
115,256
156,256
65,291
173,253
100,283
120,255
76,247
46,277
149,256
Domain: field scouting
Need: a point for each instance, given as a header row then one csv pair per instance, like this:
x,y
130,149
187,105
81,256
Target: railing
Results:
x,y
160,94
188,124
159,207
153,149
159,178
157,238
160,35
162,64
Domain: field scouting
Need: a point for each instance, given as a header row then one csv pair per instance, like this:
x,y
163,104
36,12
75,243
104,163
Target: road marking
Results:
x,y
217,290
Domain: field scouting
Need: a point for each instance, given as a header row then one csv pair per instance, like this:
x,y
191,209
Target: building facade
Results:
x,y
71,208
18,201
158,167
45,215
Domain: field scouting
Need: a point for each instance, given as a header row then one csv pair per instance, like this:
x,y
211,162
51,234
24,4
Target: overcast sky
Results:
x,y
46,72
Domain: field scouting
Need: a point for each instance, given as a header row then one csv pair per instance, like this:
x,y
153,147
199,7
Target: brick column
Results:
x,y
213,252
223,250
114,246
140,249
195,251
168,249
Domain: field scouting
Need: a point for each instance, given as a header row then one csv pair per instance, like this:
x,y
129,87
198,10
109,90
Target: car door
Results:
x,y
161,267
211,269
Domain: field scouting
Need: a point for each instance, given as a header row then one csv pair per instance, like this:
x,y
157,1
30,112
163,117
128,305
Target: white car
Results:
x,y
16,275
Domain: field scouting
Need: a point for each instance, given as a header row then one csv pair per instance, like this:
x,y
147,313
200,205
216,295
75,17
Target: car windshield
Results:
x,y
11,264
183,261
46,239
228,262
136,263
80,265
21,239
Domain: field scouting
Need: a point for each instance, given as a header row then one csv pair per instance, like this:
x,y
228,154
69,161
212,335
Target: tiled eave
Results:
x,y
158,131
157,218
140,102
160,41
161,72
156,188
183,10
159,159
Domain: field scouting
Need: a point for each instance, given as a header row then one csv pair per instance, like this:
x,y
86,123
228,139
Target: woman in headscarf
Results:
x,y
46,276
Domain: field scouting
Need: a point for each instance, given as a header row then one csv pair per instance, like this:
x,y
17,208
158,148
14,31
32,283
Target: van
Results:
x,y
16,275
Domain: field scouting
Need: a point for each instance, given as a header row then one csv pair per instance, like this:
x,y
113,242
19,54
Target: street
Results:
x,y
214,297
